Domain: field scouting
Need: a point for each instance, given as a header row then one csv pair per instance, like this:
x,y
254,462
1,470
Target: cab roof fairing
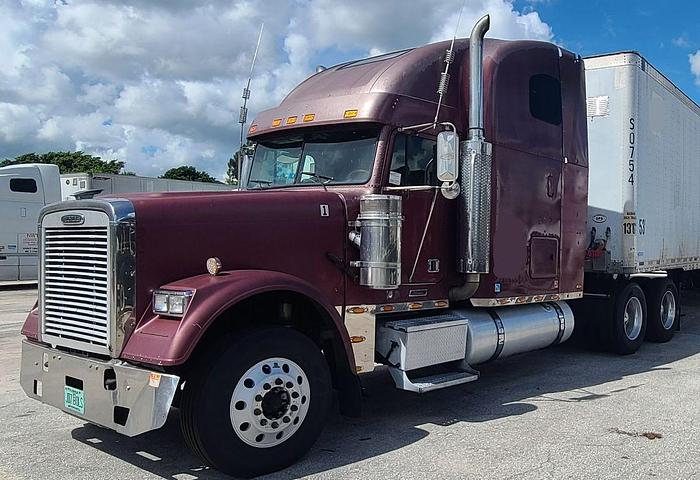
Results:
x,y
394,89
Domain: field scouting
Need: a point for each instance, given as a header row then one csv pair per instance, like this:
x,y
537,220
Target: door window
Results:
x,y
413,161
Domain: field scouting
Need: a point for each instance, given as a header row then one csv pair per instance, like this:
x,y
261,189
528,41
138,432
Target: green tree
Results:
x,y
187,172
69,162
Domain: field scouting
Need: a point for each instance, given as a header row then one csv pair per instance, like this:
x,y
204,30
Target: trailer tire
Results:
x,y
258,404
663,310
629,319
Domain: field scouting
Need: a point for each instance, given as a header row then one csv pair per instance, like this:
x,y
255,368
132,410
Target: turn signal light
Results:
x,y
357,310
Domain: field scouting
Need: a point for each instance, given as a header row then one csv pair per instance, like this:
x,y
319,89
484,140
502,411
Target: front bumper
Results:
x,y
115,394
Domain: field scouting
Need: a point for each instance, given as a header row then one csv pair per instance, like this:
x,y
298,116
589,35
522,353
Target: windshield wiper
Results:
x,y
323,180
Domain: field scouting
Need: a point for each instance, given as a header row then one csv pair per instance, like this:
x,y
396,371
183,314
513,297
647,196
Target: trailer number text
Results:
x,y
631,147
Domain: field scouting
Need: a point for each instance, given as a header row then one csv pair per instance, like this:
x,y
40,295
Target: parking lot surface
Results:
x,y
563,412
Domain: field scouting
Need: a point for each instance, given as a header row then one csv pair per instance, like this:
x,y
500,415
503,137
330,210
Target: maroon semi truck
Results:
x,y
375,228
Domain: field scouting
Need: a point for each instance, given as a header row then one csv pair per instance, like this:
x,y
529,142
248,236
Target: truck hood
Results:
x,y
291,231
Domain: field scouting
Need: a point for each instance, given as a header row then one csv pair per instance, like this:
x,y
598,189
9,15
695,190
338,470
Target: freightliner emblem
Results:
x,y
73,219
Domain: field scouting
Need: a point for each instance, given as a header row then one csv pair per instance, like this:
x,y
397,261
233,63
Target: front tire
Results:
x,y
664,310
629,319
257,404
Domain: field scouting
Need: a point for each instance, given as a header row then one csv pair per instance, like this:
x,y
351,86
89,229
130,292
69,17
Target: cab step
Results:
x,y
431,382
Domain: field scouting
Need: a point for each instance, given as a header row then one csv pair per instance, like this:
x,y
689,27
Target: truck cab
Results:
x,y
24,191
423,210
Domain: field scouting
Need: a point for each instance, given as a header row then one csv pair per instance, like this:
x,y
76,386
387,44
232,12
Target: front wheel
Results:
x,y
259,405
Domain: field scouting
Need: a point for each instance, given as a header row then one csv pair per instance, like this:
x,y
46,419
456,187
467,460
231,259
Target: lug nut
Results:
x,y
257,411
275,424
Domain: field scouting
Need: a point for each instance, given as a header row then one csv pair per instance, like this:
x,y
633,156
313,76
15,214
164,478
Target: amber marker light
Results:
x,y
357,310
277,122
357,339
415,306
291,120
350,113
309,117
441,303
253,128
213,266
386,308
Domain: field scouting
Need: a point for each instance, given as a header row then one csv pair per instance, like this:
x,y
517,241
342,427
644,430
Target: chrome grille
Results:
x,y
76,282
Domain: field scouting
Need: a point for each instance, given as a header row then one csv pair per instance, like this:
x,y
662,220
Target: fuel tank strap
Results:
x,y
562,323
501,335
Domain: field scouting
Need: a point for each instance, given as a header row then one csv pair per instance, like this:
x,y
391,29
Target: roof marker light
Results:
x,y
350,113
277,122
291,120
309,117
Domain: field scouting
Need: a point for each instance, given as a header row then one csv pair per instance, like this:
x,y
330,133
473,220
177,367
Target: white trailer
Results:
x,y
644,193
644,153
107,184
24,190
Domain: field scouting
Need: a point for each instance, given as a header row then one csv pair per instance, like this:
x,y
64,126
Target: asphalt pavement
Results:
x,y
563,412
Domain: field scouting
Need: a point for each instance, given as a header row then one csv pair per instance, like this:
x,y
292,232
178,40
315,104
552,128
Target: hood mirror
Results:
x,y
447,156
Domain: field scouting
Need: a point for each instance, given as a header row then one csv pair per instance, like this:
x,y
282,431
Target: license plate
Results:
x,y
74,399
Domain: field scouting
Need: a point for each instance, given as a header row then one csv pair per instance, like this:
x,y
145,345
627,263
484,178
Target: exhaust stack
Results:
x,y
475,176
476,78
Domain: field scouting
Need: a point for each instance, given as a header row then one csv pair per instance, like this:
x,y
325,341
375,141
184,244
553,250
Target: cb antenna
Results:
x,y
243,117
445,76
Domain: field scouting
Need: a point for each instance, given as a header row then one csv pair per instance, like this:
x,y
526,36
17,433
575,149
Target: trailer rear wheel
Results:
x,y
258,404
629,319
664,310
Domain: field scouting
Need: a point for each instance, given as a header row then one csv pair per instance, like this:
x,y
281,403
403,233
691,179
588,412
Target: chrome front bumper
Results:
x,y
115,394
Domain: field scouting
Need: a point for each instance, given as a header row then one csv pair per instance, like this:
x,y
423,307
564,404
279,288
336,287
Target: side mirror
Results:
x,y
447,156
246,162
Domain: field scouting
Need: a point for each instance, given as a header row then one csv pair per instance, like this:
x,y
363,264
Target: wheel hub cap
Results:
x,y
270,402
633,318
668,310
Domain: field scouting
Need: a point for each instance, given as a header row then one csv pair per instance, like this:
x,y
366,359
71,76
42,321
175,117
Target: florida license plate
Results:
x,y
74,399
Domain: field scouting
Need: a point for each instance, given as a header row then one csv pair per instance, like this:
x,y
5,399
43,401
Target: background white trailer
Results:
x,y
72,183
644,176
24,190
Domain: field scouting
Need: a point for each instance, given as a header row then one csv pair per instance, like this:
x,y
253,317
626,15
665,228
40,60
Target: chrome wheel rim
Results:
x,y
633,318
668,310
270,402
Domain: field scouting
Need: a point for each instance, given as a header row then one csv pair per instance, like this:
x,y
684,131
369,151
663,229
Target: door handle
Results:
x,y
550,186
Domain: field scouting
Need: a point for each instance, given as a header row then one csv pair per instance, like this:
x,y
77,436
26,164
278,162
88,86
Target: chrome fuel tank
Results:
x,y
501,332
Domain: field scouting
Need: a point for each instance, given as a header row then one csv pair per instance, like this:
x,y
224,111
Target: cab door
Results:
x,y
426,230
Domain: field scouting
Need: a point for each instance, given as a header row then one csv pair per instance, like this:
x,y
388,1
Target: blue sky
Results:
x,y
665,33
157,83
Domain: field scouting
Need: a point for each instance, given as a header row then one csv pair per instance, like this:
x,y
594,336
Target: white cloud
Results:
x,y
157,83
694,60
681,41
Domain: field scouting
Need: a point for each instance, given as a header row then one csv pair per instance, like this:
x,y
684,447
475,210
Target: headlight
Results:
x,y
171,302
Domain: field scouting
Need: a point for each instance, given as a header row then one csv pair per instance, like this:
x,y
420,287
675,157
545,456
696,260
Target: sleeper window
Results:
x,y
545,98
23,185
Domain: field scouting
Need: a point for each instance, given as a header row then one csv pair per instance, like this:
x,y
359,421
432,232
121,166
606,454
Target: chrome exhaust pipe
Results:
x,y
475,176
476,78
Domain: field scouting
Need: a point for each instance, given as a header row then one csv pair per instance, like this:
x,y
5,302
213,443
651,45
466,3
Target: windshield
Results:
x,y
333,158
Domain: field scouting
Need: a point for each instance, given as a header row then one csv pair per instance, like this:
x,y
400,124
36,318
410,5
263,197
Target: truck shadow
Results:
x,y
392,418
